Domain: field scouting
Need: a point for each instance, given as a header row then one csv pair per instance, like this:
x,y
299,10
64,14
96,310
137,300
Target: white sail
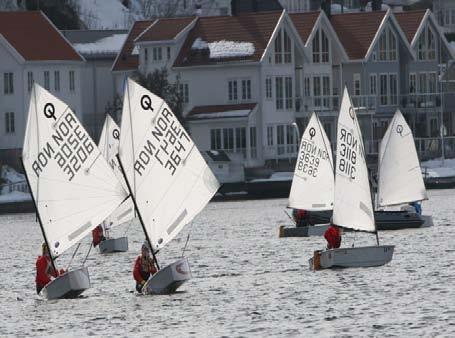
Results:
x,y
72,184
400,176
352,205
313,182
108,145
169,178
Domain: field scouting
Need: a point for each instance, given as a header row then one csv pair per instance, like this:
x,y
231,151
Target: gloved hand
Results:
x,y
143,282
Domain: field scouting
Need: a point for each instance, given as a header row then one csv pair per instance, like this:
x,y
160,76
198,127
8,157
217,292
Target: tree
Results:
x,y
158,83
63,13
166,8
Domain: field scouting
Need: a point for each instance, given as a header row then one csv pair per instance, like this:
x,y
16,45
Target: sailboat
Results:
x,y
167,177
312,186
353,207
108,145
400,177
72,186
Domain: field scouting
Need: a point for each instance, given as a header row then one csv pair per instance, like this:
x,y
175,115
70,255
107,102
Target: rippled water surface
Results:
x,y
246,282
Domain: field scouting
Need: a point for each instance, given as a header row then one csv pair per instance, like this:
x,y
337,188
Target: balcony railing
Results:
x,y
371,103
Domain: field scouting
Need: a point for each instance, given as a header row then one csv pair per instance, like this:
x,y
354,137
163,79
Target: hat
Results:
x,y
145,246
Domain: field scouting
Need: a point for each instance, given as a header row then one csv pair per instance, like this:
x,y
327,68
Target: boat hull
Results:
x,y
168,279
305,231
71,284
111,245
358,257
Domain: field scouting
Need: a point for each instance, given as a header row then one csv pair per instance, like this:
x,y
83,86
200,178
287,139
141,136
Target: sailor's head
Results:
x,y
145,249
44,249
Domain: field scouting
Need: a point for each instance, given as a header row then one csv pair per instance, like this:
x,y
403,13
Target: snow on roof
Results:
x,y
232,113
109,45
224,48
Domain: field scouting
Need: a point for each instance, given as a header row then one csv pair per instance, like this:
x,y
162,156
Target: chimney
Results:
x,y
326,6
376,5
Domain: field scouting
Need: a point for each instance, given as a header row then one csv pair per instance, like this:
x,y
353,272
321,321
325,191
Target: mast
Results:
x,y
138,212
38,215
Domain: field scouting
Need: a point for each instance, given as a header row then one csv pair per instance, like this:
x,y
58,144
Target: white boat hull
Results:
x,y
68,285
168,279
111,245
367,256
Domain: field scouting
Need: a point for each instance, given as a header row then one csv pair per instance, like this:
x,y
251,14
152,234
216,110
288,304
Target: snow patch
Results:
x,y
224,48
111,44
106,14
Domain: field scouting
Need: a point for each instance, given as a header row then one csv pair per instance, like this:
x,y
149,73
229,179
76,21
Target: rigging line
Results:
x,y
293,220
187,239
96,159
72,257
132,137
88,253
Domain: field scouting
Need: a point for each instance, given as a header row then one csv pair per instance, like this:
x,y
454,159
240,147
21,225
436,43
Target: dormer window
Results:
x,y
321,48
387,45
426,46
157,54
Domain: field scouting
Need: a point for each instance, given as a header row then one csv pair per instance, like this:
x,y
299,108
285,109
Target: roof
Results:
x,y
35,38
252,29
304,23
165,29
356,31
97,44
410,22
125,59
221,111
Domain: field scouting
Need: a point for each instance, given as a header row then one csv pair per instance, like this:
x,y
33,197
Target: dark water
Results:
x,y
246,282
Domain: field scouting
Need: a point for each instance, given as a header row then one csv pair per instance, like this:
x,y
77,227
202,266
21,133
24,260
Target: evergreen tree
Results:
x,y
63,13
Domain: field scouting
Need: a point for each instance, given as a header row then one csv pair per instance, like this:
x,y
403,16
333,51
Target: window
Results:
x,y
317,91
228,139
240,139
357,84
246,89
387,45
253,142
412,83
72,86
290,138
423,83
326,91
431,82
184,92
288,92
232,90
279,100
307,88
426,46
168,53
278,51
157,54
270,135
9,123
383,89
29,81
393,88
268,88
320,47
215,139
373,84
57,81
146,54
47,81
287,48
8,83
280,139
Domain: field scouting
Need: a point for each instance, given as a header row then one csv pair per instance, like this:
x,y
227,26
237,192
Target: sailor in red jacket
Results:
x,y
144,266
44,269
299,216
333,236
97,235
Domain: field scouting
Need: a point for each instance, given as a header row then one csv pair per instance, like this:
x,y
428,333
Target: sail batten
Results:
x,y
400,176
73,186
313,182
171,180
352,204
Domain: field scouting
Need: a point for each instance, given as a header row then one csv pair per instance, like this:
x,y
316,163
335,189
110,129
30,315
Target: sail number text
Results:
x,y
348,149
309,158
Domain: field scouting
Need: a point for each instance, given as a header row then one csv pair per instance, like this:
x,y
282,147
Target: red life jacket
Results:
x,y
141,272
333,237
44,271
